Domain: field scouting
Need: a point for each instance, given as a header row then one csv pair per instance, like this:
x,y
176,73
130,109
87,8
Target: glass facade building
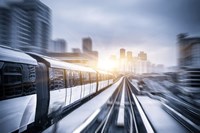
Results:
x,y
25,25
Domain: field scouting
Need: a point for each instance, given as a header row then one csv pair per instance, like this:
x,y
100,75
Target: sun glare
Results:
x,y
108,65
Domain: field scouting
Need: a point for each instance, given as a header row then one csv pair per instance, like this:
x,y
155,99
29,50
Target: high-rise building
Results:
x,y
129,61
140,66
129,56
189,50
58,46
25,24
87,44
122,53
122,61
142,55
189,60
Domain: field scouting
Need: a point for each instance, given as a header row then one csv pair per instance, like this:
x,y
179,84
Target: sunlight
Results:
x,y
107,64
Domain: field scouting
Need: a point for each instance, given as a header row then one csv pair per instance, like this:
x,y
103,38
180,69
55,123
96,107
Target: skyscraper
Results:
x,y
25,24
122,53
189,60
87,51
87,45
189,51
129,61
58,46
142,55
129,56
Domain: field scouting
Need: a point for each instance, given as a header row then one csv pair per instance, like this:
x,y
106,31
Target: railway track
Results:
x,y
121,114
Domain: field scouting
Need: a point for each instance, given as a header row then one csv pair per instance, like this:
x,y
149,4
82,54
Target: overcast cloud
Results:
x,y
137,25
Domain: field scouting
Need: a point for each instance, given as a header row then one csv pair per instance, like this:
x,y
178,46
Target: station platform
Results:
x,y
160,119
77,117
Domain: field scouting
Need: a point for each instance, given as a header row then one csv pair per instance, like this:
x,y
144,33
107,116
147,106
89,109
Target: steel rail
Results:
x,y
105,121
132,111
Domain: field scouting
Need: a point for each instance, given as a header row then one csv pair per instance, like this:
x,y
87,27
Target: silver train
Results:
x,y
33,88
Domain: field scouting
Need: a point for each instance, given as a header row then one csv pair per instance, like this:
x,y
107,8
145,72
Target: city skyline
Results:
x,y
105,66
134,25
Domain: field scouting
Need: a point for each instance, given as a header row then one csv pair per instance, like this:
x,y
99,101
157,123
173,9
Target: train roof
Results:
x,y
13,55
55,63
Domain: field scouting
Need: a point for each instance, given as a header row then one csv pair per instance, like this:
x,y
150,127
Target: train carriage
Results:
x,y
17,90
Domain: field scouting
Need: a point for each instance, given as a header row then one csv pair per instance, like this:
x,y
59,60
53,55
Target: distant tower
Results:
x,y
87,45
142,55
129,56
122,60
122,53
60,46
129,61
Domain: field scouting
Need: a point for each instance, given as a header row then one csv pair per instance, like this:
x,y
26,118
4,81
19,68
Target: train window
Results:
x,y
93,77
17,80
29,74
85,77
110,76
51,75
106,77
56,78
77,78
32,73
12,80
102,77
99,77
66,78
71,79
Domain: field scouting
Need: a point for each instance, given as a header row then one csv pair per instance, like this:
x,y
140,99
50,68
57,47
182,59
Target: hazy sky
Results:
x,y
136,25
